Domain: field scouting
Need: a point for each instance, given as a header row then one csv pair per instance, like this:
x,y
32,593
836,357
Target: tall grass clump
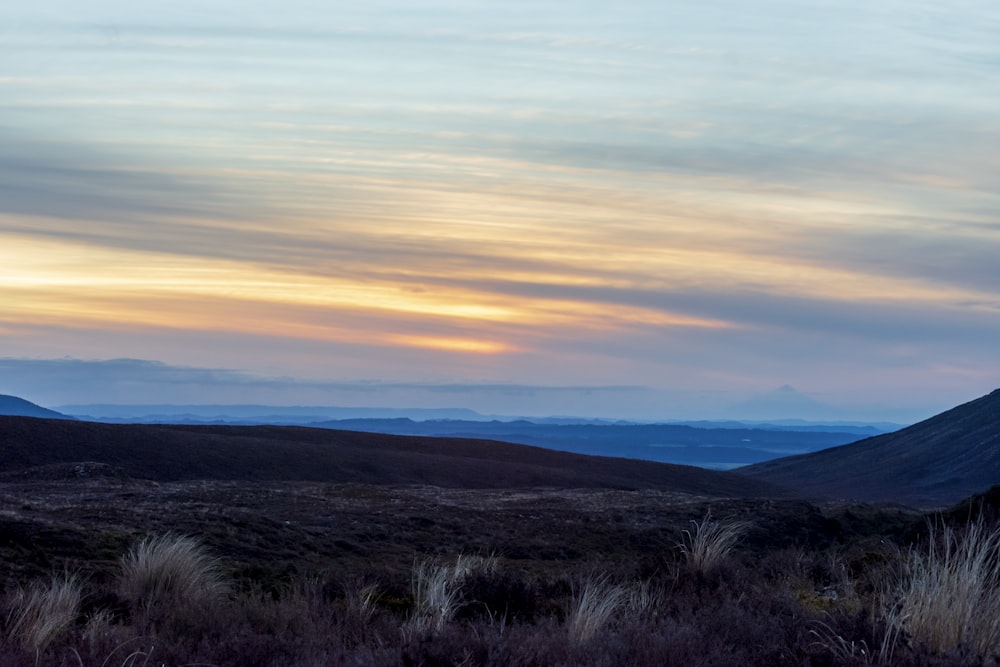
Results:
x,y
949,597
38,615
435,589
362,600
710,542
593,607
169,572
468,564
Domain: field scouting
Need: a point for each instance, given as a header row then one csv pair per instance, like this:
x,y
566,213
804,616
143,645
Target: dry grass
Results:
x,y
844,650
467,564
362,600
949,597
435,589
592,609
643,601
711,542
41,613
169,571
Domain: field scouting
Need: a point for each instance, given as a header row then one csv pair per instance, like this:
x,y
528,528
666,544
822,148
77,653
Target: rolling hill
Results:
x,y
18,407
937,461
256,453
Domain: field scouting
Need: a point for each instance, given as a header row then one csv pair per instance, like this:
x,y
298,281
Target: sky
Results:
x,y
635,209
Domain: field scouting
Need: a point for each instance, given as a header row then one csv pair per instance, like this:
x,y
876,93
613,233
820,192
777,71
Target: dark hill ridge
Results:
x,y
937,461
18,407
182,452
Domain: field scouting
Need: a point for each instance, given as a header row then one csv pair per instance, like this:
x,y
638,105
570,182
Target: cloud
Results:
x,y
74,181
142,380
510,192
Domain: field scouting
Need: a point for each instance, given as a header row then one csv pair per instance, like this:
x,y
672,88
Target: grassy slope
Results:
x,y
937,461
178,452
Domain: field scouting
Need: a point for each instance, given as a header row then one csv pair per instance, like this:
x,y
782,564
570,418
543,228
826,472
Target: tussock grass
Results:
x,y
643,600
949,597
362,600
844,650
435,590
169,571
710,542
593,607
41,613
467,564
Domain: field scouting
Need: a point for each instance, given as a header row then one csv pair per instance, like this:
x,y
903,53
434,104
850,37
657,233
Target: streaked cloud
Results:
x,y
131,380
662,195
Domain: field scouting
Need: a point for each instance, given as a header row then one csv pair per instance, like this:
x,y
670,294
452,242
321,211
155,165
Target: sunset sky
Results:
x,y
633,209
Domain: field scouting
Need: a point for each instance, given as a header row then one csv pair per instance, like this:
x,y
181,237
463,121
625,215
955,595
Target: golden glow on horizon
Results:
x,y
52,280
449,344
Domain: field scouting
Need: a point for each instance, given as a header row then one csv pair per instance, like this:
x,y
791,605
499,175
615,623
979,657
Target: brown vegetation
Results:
x,y
324,574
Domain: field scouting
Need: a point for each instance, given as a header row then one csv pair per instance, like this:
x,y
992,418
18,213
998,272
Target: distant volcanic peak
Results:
x,y
782,403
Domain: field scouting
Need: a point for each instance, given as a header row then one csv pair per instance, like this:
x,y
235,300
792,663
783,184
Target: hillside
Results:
x,y
937,461
18,407
257,453
705,447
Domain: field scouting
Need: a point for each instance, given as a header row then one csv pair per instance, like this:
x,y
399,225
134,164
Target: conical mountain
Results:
x,y
937,461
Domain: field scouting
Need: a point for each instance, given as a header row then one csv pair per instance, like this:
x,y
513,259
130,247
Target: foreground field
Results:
x,y
286,573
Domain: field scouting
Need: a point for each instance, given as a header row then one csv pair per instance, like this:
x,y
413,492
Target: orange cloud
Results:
x,y
450,344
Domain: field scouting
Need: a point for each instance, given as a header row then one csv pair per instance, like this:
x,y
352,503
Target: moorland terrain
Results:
x,y
299,546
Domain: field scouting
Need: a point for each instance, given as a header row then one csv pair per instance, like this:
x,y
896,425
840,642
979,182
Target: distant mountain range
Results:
x,y
939,460
153,413
936,462
717,445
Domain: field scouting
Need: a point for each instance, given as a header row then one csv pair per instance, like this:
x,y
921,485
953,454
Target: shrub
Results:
x,y
708,545
38,615
949,597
